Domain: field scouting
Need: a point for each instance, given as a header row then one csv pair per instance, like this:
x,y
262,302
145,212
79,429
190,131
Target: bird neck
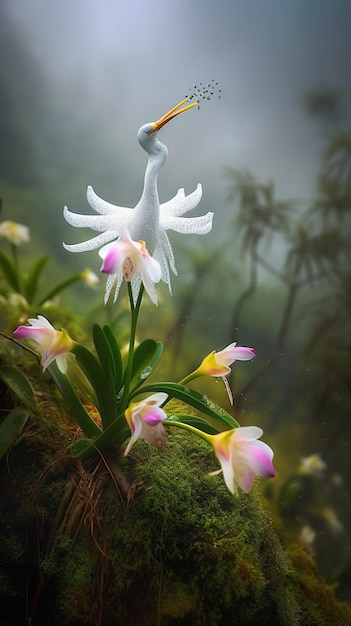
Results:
x,y
145,224
150,190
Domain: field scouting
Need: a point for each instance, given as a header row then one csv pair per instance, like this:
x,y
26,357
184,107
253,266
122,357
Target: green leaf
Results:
x,y
116,433
81,447
104,351
80,414
20,385
11,427
10,273
102,382
195,421
90,365
219,417
59,287
145,360
117,357
31,279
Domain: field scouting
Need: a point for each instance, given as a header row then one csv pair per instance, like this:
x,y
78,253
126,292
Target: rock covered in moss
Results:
x,y
179,550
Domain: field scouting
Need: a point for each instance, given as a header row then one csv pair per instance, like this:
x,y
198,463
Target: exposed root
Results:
x,y
78,512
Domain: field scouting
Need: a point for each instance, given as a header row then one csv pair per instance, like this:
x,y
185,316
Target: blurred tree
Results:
x,y
315,250
259,217
324,103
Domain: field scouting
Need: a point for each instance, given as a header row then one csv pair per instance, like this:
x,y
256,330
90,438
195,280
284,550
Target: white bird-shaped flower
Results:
x,y
149,220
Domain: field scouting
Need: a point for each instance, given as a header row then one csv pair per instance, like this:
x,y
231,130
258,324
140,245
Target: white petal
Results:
x,y
106,208
92,244
111,278
164,255
228,475
157,398
119,282
95,222
61,362
41,322
247,433
181,203
188,225
166,248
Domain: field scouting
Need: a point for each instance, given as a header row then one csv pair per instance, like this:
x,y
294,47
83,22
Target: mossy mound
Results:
x,y
178,550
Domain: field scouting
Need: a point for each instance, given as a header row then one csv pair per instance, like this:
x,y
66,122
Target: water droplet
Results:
x,y
146,372
204,91
120,394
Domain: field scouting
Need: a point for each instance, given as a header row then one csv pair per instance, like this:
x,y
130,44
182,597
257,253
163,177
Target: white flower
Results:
x,y
307,538
149,220
53,345
14,233
130,259
333,522
90,278
312,465
112,220
241,456
145,420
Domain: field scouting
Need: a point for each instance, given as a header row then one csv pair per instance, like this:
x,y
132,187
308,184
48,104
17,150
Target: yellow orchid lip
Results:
x,y
173,112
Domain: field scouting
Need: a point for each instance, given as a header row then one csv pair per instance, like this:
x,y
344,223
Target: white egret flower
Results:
x,y
149,220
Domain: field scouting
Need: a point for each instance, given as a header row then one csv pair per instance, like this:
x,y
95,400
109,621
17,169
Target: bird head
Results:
x,y
147,134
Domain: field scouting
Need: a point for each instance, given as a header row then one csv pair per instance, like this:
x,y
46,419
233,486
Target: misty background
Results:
x,y
77,80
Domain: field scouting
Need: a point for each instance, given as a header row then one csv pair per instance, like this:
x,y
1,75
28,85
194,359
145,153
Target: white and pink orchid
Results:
x,y
53,345
217,363
242,456
128,259
145,420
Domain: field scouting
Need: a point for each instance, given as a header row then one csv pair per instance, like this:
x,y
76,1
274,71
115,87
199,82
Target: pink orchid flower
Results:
x,y
126,258
145,420
217,363
242,456
53,345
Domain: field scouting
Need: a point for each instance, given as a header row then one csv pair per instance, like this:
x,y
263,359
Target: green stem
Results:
x,y
205,436
134,309
60,287
16,267
190,377
21,345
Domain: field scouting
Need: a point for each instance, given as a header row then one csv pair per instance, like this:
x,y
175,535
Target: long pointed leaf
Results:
x,y
117,357
59,287
11,427
80,414
102,384
20,385
116,433
9,273
194,420
31,280
146,358
104,351
193,398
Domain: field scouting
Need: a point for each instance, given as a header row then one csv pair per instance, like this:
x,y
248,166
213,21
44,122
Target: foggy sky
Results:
x,y
119,64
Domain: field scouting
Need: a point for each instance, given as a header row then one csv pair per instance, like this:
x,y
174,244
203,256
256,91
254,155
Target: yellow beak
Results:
x,y
173,112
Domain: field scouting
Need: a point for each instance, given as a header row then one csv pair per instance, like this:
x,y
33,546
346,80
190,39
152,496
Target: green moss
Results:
x,y
182,552
318,600
190,535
